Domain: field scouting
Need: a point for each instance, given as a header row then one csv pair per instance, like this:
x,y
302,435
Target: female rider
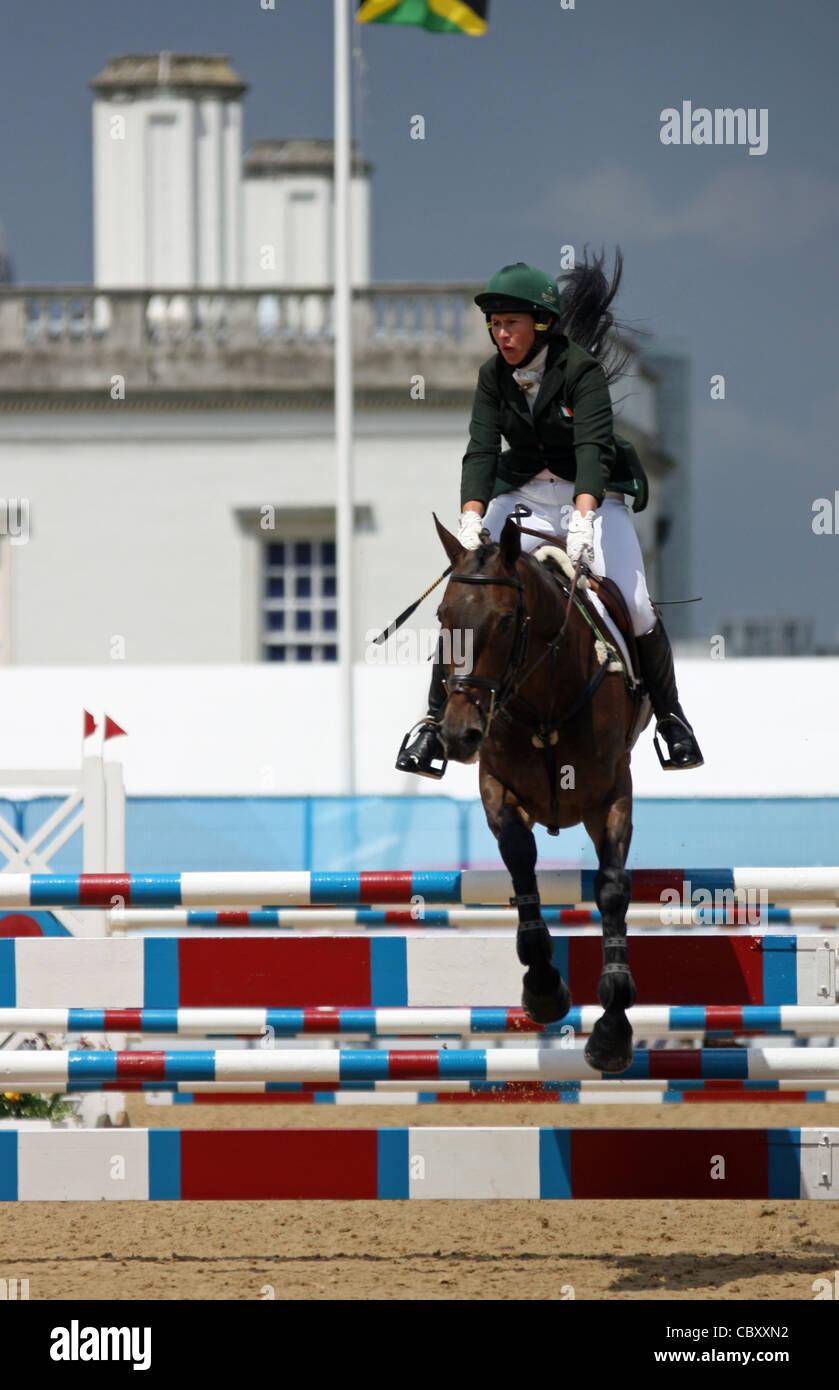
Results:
x,y
548,397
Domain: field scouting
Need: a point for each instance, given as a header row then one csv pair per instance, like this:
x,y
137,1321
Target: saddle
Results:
x,y
610,596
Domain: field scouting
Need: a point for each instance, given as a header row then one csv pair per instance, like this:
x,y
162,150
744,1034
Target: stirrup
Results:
x,y
408,762
667,763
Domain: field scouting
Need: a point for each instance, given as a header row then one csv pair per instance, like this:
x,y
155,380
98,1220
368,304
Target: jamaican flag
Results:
x,y
441,16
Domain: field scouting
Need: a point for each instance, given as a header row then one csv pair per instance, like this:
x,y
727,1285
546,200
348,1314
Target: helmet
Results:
x,y
523,287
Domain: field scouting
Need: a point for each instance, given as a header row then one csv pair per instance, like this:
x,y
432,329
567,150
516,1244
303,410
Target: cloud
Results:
x,y
743,211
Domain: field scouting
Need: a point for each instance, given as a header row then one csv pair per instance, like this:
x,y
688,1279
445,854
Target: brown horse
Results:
x,y
553,728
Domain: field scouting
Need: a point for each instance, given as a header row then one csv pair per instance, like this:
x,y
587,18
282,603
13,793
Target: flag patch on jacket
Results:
x,y
566,413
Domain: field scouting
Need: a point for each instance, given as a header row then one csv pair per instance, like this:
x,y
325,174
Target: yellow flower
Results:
x,y
11,1095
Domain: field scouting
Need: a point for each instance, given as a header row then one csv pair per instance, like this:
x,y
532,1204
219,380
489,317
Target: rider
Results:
x,y
549,398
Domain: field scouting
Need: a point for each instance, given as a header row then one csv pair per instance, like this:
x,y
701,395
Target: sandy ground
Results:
x,y
476,1250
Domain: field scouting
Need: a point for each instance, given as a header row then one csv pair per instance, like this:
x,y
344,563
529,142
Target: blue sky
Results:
x,y
542,133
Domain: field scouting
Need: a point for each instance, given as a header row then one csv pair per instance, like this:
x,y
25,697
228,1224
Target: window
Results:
x,y
299,600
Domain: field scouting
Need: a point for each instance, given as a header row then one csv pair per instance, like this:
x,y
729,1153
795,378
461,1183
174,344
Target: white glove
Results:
x,y
469,530
580,539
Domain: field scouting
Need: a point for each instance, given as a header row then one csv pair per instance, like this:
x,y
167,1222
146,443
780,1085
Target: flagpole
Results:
x,y
345,722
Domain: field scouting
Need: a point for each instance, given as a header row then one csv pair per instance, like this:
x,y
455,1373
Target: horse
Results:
x,y
552,727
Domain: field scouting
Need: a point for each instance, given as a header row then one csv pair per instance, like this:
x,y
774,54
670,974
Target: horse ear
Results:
x,y
451,544
510,542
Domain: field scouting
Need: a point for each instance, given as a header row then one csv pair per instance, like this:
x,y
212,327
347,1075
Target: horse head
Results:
x,y
484,630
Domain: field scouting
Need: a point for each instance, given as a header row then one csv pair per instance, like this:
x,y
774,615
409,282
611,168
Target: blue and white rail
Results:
x,y
484,886
27,1070
648,1021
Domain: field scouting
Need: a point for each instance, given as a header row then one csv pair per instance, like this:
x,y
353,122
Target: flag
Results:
x,y
90,726
440,16
112,729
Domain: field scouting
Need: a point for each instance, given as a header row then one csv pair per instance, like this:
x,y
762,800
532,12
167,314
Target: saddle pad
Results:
x,y
609,624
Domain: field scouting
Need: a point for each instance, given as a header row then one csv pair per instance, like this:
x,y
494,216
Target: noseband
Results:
x,y
500,689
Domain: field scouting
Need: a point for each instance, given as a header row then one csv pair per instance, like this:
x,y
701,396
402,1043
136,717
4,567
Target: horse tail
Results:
x,y
586,295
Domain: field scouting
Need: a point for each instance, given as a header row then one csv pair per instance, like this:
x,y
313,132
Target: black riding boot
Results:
x,y
656,657
425,749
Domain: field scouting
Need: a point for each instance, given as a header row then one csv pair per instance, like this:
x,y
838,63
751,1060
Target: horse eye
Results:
x,y
505,622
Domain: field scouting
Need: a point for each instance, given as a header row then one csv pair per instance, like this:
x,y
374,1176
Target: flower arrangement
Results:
x,y
15,1105
25,1105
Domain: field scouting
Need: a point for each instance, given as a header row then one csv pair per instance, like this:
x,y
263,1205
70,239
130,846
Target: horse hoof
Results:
x,y
546,1005
607,1052
607,1064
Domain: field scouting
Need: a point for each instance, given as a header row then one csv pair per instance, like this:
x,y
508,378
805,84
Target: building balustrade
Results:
x,y
70,337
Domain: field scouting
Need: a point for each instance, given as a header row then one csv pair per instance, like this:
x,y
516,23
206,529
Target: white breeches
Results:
x,y
617,554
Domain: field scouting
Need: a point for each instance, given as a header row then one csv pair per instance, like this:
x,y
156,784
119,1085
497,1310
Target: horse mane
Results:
x,y
547,592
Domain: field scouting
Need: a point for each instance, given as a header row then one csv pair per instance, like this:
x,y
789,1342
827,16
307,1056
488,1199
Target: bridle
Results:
x,y
501,688
506,687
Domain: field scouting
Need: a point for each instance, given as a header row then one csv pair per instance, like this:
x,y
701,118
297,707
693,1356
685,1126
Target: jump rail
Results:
x,y
28,1070
647,1021
647,915
419,1163
392,1091
788,1093
481,886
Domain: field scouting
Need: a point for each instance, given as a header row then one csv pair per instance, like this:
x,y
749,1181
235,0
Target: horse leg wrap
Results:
x,y
616,987
609,1049
545,996
529,908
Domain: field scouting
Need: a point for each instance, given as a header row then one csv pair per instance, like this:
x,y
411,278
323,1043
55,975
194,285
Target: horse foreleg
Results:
x,y
545,995
609,1049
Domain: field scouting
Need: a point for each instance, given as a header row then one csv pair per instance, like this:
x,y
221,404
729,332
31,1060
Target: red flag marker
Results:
x,y
112,729
90,725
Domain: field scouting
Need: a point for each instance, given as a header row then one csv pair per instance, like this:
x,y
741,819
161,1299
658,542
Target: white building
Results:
x,y
174,207
167,171
288,214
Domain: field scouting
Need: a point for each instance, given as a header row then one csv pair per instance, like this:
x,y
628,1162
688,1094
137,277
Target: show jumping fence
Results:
x,y
407,986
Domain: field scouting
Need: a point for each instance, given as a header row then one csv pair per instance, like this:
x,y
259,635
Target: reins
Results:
x,y
546,536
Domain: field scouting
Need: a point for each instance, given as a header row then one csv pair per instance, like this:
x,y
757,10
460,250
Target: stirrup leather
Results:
x,y
405,763
667,763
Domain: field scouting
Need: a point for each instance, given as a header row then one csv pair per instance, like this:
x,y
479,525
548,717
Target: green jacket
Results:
x,y
583,450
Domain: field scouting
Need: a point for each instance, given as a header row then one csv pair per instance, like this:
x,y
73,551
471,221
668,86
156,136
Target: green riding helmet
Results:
x,y
525,288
